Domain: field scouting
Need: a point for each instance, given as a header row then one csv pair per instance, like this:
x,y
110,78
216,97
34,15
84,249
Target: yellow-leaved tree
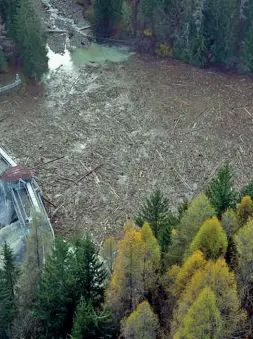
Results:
x,y
244,210
141,323
203,319
244,245
180,276
198,211
221,281
211,239
152,258
126,288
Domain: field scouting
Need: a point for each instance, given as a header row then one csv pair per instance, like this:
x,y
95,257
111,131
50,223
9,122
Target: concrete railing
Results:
x,y
8,88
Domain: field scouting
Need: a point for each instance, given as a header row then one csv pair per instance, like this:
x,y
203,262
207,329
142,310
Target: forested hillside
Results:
x,y
22,41
169,275
201,32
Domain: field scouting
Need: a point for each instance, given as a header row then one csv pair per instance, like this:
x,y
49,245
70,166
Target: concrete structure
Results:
x,y
20,197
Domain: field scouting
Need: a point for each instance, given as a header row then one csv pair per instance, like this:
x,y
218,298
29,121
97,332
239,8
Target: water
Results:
x,y
100,53
94,53
56,60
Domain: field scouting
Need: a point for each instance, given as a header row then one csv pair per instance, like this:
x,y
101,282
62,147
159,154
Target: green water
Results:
x,y
100,53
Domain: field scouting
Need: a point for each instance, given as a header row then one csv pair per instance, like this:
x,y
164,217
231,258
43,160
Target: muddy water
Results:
x,y
100,53
93,53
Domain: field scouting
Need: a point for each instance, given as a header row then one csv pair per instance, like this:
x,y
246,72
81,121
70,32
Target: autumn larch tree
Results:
x,y
141,323
203,319
211,239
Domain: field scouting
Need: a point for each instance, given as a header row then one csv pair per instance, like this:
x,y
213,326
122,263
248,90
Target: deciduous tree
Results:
x,y
141,323
211,239
203,319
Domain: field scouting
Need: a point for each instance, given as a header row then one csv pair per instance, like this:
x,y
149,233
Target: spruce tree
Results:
x,y
155,212
8,278
89,323
54,306
221,30
30,39
221,191
88,271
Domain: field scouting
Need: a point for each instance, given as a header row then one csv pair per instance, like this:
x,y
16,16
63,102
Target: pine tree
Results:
x,y
141,323
203,319
221,191
89,323
89,272
8,278
31,39
54,304
211,239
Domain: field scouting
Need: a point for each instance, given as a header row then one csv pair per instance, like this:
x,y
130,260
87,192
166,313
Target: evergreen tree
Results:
x,y
89,323
247,190
88,271
221,191
31,39
8,12
107,14
230,225
54,304
155,212
247,46
222,30
8,278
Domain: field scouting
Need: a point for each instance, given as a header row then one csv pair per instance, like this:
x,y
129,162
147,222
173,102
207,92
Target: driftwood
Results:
x,y
56,31
49,202
89,172
48,162
84,27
